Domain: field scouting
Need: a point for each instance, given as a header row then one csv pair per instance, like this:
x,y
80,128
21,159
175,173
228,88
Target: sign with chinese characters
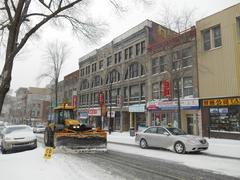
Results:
x,y
221,102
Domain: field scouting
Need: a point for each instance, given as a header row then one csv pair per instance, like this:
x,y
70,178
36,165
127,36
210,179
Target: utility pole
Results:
x,y
179,105
110,101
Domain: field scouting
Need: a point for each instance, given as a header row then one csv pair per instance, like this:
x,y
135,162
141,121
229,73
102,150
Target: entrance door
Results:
x,y
190,124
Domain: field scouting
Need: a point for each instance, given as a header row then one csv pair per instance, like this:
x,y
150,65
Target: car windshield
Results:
x,y
176,131
18,129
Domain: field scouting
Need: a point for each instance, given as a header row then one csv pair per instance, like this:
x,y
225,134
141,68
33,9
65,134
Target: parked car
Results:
x,y
39,129
1,129
18,137
173,139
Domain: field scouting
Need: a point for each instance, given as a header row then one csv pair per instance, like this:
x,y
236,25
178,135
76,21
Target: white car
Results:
x,y
170,138
18,137
39,129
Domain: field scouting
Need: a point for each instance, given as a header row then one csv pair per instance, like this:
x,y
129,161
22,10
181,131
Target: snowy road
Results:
x,y
114,164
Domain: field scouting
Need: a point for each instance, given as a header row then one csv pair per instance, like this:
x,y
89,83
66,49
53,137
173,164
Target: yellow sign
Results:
x,y
221,102
48,152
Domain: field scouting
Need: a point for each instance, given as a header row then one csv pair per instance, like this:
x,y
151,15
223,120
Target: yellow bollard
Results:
x,y
48,153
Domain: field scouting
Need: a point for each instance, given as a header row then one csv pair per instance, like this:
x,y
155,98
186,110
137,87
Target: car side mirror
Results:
x,y
166,134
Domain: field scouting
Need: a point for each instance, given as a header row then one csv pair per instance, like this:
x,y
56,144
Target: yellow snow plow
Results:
x,y
64,131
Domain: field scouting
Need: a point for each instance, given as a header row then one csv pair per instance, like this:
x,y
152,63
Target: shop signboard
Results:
x,y
137,108
94,112
172,104
221,102
152,104
83,115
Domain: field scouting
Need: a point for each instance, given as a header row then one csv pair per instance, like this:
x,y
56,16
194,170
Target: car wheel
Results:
x,y
179,148
143,144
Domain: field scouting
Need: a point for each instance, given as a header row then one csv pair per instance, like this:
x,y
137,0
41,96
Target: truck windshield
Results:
x,y
64,114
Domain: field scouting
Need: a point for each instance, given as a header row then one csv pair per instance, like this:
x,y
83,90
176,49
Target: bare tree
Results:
x,y
55,56
178,22
20,20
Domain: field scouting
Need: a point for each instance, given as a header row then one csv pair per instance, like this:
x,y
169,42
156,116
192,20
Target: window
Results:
x,y
126,54
130,52
137,49
176,64
126,94
206,40
133,70
238,27
82,72
117,57
212,37
84,84
155,66
177,88
113,76
217,36
187,86
101,64
88,70
187,57
109,60
156,91
151,130
97,81
94,67
142,91
143,47
134,93
163,63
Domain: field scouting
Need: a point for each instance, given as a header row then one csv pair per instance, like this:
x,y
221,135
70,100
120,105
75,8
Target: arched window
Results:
x,y
84,84
96,81
113,76
134,70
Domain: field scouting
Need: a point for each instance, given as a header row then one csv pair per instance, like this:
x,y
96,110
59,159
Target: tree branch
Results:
x,y
8,10
13,6
41,23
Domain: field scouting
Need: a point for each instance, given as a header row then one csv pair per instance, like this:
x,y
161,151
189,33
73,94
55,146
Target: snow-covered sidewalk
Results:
x,y
217,147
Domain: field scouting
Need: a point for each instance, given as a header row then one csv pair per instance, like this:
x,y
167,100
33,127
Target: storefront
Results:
x,y
165,113
94,115
221,117
137,116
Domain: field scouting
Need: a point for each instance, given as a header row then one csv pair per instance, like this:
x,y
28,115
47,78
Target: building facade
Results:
x,y
218,50
172,79
119,72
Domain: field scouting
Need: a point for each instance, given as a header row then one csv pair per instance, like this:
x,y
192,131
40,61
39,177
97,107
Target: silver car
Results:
x,y
18,137
170,138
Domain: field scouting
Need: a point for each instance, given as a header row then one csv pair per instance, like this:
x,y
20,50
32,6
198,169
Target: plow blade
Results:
x,y
82,144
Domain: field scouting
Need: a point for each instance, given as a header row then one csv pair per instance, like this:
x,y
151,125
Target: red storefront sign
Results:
x,y
166,88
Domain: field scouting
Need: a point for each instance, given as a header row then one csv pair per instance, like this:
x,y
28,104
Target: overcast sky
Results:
x,y
30,62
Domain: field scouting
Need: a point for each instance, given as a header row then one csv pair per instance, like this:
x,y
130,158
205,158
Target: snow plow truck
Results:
x,y
65,131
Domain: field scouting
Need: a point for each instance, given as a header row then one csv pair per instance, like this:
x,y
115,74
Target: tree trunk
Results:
x,y
56,92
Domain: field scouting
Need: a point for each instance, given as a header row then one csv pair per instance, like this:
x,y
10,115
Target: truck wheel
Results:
x,y
48,137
